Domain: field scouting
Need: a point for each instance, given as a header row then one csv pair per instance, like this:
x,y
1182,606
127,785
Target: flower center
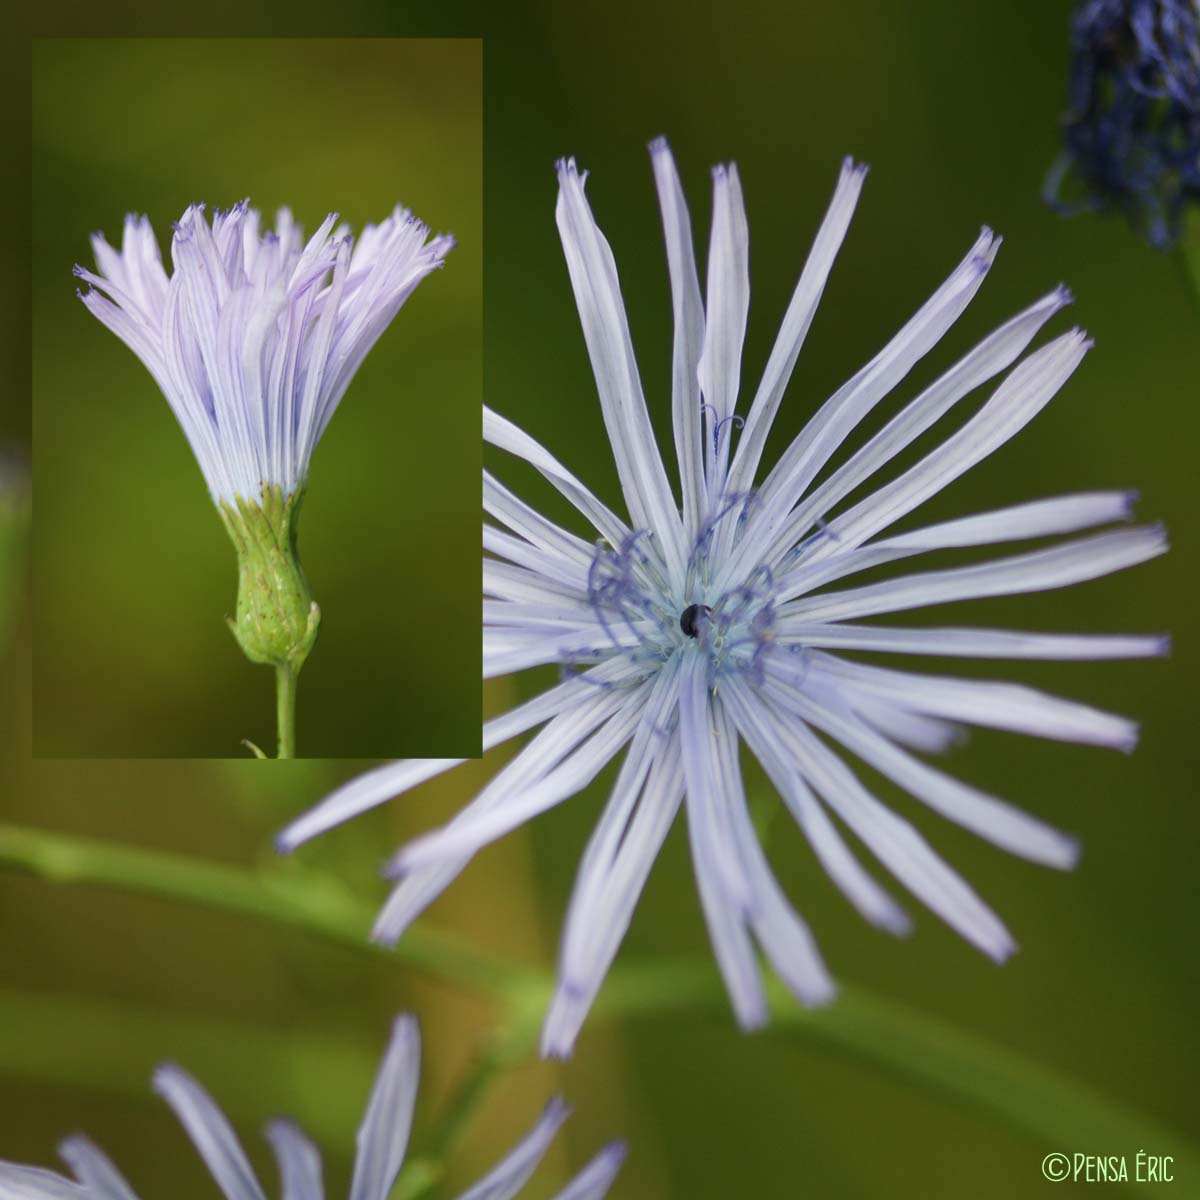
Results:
x,y
635,607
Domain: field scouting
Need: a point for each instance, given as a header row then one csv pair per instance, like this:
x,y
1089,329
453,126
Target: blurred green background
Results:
x,y
955,107
133,570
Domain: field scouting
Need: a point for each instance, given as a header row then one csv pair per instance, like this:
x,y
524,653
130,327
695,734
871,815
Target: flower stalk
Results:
x,y
992,1080
277,619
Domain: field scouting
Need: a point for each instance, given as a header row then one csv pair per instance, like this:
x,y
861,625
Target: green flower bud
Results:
x,y
277,618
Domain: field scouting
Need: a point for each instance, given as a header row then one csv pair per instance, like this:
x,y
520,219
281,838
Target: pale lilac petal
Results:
x,y
727,304
895,842
593,1182
688,310
467,836
644,801
994,354
835,856
606,331
725,894
359,795
842,412
299,1162
526,521
210,1132
35,1183
784,937
796,322
1036,571
500,432
94,1170
980,643
383,1135
984,702
1029,387
507,1178
540,757
998,822
1035,519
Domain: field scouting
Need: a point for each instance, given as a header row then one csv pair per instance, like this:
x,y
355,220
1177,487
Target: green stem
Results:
x,y
1054,1110
285,709
288,895
111,1048
1051,1108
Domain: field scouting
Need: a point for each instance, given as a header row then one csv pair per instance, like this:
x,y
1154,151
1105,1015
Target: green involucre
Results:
x,y
277,618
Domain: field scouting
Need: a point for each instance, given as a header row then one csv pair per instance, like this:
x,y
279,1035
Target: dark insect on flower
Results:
x,y
690,620
1131,134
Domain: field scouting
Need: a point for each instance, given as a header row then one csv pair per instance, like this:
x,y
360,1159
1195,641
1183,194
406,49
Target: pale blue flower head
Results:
x,y
719,616
1131,135
255,336
382,1142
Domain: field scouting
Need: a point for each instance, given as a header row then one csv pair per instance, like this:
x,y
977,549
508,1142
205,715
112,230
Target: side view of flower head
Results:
x,y
1131,134
382,1142
694,628
254,339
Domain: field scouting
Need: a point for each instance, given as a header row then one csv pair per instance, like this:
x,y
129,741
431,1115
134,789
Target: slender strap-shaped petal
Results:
x,y
134,330
984,702
362,793
468,834
704,749
137,270
547,748
998,822
724,893
593,1182
979,643
383,1135
1032,519
506,1179
210,1132
618,859
796,322
831,850
35,1183
94,1170
602,314
727,304
890,838
308,413
370,308
929,735
505,653
498,431
572,693
688,310
993,355
1035,571
546,563
1029,387
1035,519
842,412
190,393
1018,522
783,935
526,521
299,1162
508,582
510,614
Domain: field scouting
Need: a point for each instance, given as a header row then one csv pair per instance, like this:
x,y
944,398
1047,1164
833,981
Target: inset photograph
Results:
x,y
257,305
